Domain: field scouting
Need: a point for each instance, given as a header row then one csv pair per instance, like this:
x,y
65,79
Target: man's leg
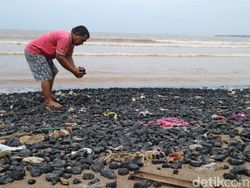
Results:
x,y
48,98
44,71
54,71
51,88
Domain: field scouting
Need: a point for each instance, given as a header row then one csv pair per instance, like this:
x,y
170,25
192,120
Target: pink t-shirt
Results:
x,y
51,43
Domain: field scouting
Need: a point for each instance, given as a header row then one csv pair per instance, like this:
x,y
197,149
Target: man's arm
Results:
x,y
65,63
70,60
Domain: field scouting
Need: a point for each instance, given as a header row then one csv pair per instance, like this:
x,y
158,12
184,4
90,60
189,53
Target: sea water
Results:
x,y
135,60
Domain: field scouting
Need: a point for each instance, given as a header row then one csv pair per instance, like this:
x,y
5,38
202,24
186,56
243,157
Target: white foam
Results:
x,y
144,54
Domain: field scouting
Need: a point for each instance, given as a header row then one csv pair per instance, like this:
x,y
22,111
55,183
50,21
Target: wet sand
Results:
x,y
134,72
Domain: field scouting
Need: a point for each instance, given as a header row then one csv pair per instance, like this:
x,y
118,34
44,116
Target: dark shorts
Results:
x,y
41,68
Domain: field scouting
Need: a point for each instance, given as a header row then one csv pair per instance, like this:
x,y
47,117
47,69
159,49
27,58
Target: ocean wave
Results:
x,y
159,54
152,43
173,44
128,54
13,42
11,53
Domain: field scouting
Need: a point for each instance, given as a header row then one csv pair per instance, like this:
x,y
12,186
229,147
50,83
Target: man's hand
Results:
x,y
83,70
79,72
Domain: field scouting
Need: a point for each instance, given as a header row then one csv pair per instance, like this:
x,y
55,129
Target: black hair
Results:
x,y
81,30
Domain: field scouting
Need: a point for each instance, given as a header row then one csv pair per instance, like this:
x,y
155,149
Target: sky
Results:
x,y
173,17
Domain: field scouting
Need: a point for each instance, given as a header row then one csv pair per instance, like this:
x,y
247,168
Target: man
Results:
x,y
41,51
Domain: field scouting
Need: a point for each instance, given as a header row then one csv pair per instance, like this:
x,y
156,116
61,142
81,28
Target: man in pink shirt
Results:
x,y
41,51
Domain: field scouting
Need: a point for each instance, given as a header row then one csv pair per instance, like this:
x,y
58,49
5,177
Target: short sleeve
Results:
x,y
62,46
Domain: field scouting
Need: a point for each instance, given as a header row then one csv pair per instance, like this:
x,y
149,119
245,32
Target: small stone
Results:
x,y
17,173
64,181
76,170
88,176
45,168
13,142
34,171
157,161
247,172
111,184
165,165
233,161
67,176
113,165
123,171
5,179
108,173
76,181
194,163
225,167
97,166
53,178
94,181
25,153
157,184
175,171
142,184
31,181
132,166
139,161
176,165
229,176
219,157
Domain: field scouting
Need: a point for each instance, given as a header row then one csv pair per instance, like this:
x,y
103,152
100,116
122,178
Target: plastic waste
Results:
x,y
239,116
8,148
171,121
89,151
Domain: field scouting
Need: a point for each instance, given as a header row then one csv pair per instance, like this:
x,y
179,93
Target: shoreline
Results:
x,y
13,90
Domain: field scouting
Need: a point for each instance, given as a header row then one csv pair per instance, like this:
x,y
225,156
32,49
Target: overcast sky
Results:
x,y
181,17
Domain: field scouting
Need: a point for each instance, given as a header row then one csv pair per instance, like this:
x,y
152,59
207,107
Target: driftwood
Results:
x,y
168,180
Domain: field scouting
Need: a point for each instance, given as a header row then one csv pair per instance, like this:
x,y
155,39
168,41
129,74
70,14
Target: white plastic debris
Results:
x,y
8,148
82,110
164,109
71,109
144,113
142,96
89,151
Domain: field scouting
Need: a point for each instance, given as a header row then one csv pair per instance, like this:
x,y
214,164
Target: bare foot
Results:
x,y
54,98
53,104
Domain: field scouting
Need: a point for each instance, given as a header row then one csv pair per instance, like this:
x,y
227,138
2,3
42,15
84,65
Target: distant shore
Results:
x,y
246,36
